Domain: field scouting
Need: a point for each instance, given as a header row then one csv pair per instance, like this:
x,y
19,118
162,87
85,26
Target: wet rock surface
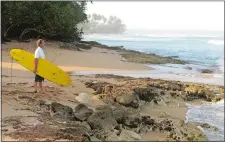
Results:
x,y
148,89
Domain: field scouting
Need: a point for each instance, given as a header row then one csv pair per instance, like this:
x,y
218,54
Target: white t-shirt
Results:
x,y
39,53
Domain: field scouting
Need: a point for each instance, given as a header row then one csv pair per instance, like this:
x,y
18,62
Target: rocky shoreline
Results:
x,y
133,56
128,55
120,117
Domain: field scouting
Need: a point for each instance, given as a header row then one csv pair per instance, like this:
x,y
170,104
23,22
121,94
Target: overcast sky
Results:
x,y
207,16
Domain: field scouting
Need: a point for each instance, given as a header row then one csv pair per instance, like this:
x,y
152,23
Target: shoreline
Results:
x,y
77,70
191,78
102,90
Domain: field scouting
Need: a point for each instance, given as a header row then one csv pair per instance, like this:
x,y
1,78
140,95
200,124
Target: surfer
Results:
x,y
39,53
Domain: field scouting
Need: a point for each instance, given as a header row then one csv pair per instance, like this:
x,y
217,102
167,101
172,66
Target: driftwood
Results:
x,y
44,32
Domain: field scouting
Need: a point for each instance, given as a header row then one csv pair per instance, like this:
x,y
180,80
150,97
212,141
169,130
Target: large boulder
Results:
x,y
102,119
130,100
82,112
61,112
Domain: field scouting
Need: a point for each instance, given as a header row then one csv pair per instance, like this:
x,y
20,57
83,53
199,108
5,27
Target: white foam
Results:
x,y
216,42
212,114
220,62
220,102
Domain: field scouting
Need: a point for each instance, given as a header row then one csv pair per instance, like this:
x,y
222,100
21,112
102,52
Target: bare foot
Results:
x,y
42,91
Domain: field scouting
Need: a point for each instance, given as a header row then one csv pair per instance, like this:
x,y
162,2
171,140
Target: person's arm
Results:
x,y
35,65
36,56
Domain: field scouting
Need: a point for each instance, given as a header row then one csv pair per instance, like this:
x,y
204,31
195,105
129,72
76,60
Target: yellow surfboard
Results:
x,y
45,68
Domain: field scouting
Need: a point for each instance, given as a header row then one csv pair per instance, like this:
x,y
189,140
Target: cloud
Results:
x,y
164,15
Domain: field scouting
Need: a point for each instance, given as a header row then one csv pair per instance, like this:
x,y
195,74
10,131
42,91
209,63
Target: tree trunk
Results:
x,y
6,32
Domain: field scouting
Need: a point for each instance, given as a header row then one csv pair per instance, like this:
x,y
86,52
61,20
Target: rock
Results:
x,y
207,126
86,125
128,117
128,100
123,59
206,71
173,56
94,139
102,119
74,133
188,67
132,120
61,112
82,112
200,128
147,120
113,137
84,98
127,135
147,94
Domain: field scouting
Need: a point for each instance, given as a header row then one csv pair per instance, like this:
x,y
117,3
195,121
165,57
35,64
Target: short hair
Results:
x,y
39,42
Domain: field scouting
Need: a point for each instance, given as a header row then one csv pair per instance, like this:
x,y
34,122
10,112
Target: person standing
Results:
x,y
39,53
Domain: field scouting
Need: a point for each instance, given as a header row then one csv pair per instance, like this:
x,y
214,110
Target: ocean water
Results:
x,y
204,50
209,113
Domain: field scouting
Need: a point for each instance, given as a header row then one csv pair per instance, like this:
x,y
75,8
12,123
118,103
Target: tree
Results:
x,y
53,19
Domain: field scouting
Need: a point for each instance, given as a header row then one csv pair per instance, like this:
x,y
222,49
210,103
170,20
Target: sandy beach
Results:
x,y
23,110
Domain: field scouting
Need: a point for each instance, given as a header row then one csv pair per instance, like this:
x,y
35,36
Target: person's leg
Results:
x,y
35,83
40,83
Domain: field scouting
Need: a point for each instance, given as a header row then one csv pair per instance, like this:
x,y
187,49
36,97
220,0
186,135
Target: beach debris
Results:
x,y
82,112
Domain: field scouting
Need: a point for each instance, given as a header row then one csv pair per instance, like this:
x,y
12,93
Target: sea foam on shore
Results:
x,y
209,113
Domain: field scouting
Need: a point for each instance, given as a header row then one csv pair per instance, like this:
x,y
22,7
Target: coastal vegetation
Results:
x,y
56,20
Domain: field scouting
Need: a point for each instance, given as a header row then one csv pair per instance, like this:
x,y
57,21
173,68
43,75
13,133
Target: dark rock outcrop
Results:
x,y
206,71
102,119
127,117
62,112
147,94
82,112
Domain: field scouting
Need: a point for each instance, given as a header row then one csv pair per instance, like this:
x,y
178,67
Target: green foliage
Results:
x,y
53,19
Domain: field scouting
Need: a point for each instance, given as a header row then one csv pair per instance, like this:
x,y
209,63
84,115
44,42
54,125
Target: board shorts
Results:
x,y
38,78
